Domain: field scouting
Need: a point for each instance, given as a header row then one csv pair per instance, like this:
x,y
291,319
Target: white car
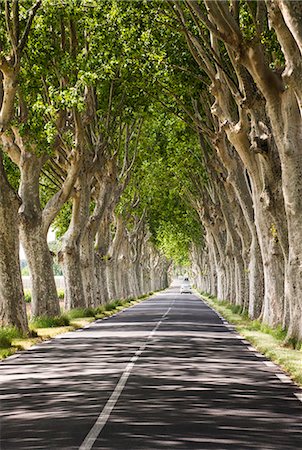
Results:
x,y
186,288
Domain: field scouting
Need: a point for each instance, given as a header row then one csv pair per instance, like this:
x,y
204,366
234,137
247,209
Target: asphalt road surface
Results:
x,y
167,373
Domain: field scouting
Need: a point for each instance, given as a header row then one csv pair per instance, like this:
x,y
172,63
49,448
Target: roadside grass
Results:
x,y
44,328
7,336
49,322
271,342
77,313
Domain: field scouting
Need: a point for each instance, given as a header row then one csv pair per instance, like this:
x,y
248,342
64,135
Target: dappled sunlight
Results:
x,y
195,385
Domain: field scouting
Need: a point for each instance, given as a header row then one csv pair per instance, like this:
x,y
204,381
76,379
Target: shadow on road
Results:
x,y
195,386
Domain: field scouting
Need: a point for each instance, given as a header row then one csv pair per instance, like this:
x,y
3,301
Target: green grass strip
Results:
x,y
268,341
49,322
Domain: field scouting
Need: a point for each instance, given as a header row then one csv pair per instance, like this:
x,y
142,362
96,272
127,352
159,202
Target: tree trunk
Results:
x,y
111,277
273,267
289,138
70,260
45,300
256,279
102,248
88,269
12,304
251,253
264,173
69,255
33,236
102,289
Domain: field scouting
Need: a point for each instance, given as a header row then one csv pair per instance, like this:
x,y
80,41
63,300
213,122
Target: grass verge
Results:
x,y
7,336
268,341
44,328
49,322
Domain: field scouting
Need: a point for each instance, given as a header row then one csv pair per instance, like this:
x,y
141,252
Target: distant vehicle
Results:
x,y
186,288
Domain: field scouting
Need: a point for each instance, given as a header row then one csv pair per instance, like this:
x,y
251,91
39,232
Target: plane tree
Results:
x,y
130,59
117,117
15,26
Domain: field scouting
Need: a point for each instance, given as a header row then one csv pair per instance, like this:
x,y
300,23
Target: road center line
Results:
x,y
111,402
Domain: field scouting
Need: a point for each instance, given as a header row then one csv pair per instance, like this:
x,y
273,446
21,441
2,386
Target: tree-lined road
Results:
x,y
164,374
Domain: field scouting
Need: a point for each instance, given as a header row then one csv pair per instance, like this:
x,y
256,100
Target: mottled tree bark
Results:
x,y
12,304
69,255
33,236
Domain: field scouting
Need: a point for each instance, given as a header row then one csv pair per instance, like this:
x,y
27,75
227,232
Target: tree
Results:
x,y
14,31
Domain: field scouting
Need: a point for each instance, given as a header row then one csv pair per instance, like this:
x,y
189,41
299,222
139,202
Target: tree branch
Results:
x,y
31,16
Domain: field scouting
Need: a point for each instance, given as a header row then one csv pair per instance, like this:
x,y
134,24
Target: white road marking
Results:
x,y
11,357
299,396
270,364
111,402
284,378
251,349
259,355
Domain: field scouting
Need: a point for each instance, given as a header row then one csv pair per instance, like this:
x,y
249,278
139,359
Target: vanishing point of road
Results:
x,y
168,373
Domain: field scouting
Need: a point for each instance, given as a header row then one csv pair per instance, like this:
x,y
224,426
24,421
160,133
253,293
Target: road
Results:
x,y
167,373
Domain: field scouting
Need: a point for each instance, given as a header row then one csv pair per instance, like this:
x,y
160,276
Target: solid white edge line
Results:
x,y
251,349
102,419
259,355
269,364
14,356
299,396
284,378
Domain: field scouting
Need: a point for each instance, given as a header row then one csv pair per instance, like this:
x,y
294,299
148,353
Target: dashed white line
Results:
x,y
111,402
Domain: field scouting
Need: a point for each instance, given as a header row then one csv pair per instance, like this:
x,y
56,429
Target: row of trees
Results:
x,y
71,120
77,155
248,117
